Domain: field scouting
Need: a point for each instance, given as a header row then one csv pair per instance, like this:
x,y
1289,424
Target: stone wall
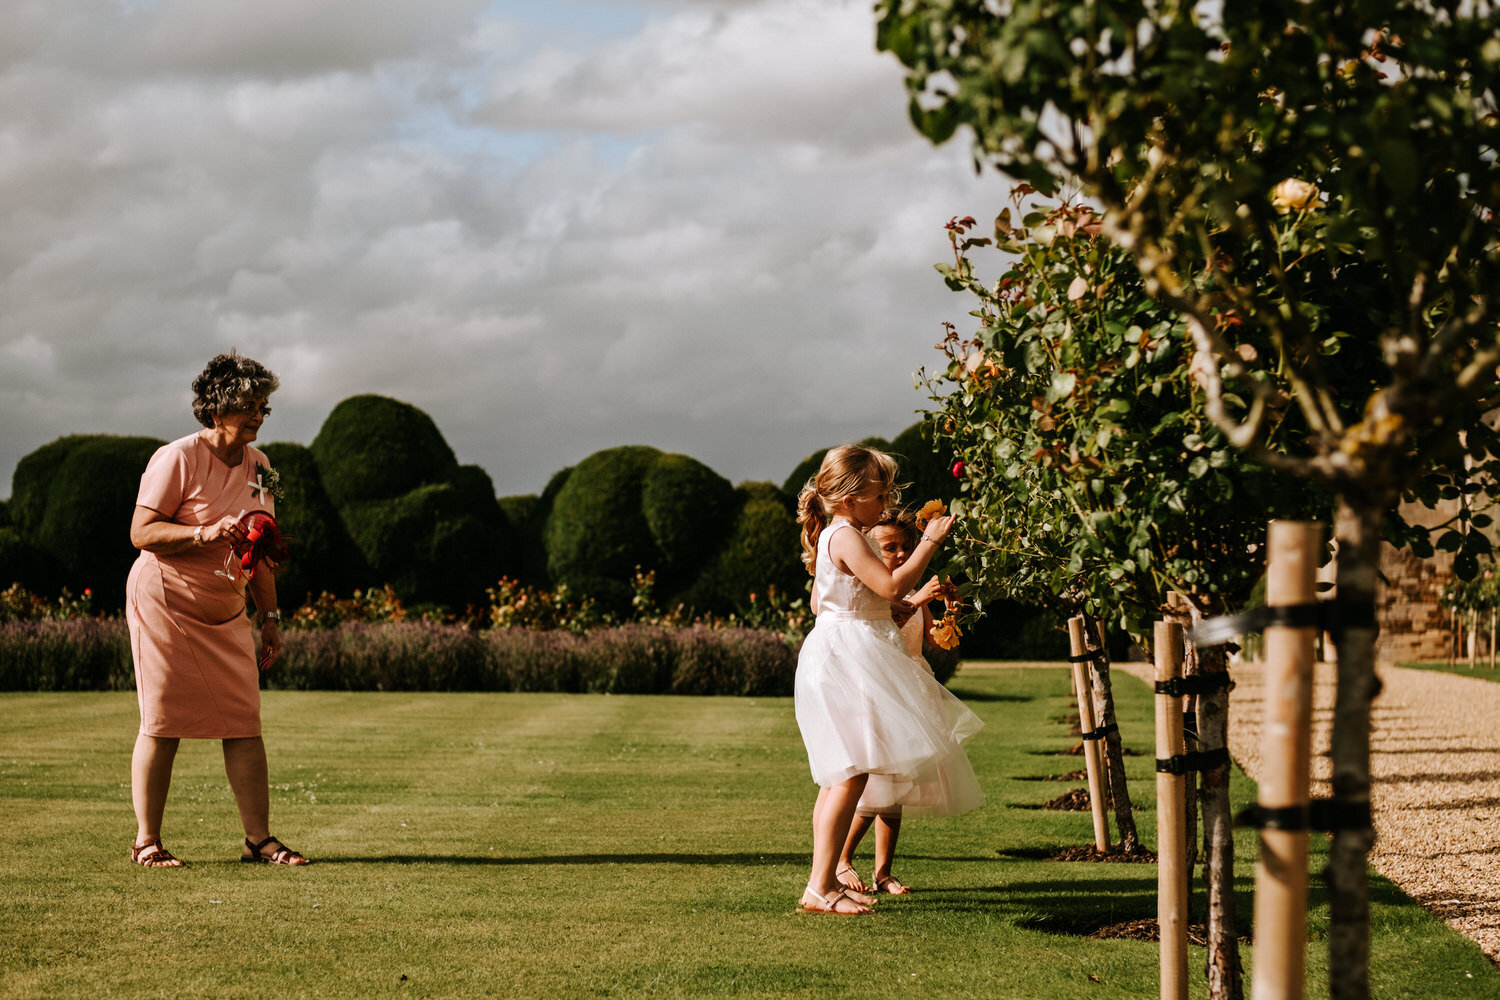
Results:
x,y
1414,624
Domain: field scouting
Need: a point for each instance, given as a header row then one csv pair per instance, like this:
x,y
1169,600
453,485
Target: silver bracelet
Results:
x,y
934,541
274,615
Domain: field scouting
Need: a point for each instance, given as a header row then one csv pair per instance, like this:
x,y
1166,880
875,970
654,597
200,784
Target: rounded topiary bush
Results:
x,y
431,545
927,475
28,564
597,533
376,448
90,501
687,507
528,552
809,465
631,507
762,549
321,556
33,478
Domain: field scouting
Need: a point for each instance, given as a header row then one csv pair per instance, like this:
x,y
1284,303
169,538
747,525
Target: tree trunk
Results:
x,y
1225,975
1114,757
1357,524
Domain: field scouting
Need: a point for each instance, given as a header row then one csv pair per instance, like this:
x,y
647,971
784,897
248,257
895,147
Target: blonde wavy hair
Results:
x,y
849,472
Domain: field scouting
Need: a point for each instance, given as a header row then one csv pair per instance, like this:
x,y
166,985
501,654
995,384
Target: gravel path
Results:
x,y
1435,761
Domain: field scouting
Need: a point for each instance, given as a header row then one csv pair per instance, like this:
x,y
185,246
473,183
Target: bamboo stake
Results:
x,y
1092,758
1473,636
1171,826
1493,614
1281,873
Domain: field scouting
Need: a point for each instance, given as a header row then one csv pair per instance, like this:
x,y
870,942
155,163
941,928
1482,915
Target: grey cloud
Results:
x,y
745,277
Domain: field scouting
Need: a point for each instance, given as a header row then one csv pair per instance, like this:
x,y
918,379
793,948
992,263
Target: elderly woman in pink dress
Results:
x,y
190,634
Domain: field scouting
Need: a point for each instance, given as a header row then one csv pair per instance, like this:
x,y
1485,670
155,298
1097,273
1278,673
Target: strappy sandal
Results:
x,y
159,858
891,885
830,904
283,855
853,881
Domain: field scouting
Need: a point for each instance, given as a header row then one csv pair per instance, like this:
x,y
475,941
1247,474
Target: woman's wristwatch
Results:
x,y
198,536
274,615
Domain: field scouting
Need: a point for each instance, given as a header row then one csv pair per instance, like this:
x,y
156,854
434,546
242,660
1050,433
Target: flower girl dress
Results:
x,y
866,706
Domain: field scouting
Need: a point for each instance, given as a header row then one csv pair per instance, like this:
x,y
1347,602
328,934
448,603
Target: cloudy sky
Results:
x,y
555,225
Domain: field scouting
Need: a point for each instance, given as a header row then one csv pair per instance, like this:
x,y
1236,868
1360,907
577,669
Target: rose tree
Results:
x,y
1299,147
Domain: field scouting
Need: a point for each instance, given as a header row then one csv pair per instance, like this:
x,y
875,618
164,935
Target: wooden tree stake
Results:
x,y
1281,873
1171,824
1093,760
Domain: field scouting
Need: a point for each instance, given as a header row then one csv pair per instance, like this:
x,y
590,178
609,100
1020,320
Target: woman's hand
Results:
x,y
901,612
225,529
270,644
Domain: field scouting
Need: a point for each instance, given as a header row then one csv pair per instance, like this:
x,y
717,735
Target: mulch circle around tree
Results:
x,y
1073,800
1088,852
1147,930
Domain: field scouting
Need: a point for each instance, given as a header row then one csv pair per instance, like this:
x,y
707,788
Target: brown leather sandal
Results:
x,y
283,855
159,858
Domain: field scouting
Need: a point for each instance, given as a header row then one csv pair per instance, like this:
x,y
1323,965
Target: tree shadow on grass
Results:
x,y
738,859
968,694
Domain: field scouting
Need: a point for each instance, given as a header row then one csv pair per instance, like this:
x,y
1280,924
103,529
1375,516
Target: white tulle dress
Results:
x,y
865,706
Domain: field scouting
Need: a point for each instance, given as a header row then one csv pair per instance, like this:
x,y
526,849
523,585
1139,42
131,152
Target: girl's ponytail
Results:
x,y
813,518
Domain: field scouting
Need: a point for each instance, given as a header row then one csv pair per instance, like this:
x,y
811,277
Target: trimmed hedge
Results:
x,y
28,564
629,659
762,551
421,522
33,478
93,654
377,448
90,501
321,556
429,545
809,465
929,475
687,507
84,654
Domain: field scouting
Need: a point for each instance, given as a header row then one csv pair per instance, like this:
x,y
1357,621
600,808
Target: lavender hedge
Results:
x,y
627,659
94,655
82,654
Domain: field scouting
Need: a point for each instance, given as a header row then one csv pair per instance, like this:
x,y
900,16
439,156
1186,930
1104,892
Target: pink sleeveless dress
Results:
x,y
864,706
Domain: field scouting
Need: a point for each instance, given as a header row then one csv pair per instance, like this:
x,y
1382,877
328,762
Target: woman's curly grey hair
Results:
x,y
231,383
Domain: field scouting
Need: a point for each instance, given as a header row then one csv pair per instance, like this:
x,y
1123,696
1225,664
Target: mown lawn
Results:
x,y
536,845
1481,670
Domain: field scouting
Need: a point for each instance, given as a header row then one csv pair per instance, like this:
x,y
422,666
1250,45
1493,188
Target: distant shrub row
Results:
x,y
92,654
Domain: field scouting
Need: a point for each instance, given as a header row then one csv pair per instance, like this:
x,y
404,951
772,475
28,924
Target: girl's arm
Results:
x,y
853,554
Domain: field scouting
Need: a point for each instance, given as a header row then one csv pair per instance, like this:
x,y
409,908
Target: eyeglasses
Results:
x,y
255,408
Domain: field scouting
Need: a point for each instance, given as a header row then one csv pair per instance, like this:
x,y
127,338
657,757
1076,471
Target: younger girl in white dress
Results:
x,y
862,708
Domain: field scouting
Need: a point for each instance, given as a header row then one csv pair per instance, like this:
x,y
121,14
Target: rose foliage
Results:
x,y
1093,480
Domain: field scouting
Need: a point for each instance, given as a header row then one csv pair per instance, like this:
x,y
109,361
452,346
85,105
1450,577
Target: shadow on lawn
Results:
x,y
741,859
969,694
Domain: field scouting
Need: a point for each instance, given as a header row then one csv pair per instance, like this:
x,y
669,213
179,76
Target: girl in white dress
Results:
x,y
862,707
894,537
